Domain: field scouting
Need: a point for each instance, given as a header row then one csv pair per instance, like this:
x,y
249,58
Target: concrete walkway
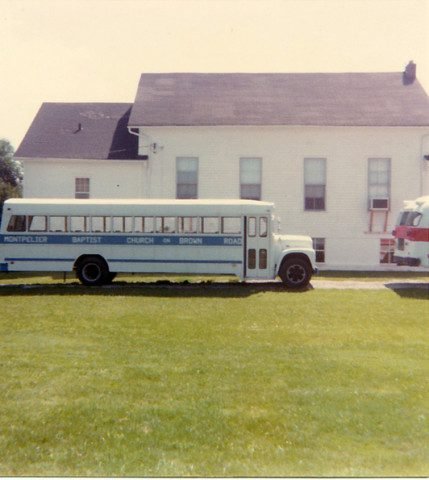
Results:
x,y
368,285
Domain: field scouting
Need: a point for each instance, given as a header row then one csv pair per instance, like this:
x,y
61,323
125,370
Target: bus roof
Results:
x,y
159,206
132,201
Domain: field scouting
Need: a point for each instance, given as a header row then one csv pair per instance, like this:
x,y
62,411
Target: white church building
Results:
x,y
336,152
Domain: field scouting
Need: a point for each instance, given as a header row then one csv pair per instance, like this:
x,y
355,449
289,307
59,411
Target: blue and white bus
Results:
x,y
99,238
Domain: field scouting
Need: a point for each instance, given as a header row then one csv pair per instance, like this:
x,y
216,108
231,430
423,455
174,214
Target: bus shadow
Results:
x,y
150,289
419,291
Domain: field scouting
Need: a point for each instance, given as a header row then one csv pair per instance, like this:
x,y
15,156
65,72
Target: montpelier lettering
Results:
x,y
25,239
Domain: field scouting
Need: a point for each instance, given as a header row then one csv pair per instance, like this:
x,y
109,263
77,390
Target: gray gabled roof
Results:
x,y
80,130
325,99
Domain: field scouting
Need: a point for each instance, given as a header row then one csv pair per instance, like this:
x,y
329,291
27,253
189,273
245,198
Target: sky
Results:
x,y
95,50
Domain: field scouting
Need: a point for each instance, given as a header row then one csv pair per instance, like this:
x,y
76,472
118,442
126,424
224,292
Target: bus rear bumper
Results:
x,y
407,261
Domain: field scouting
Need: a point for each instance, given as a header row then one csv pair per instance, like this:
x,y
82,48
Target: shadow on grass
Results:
x,y
416,291
161,288
359,274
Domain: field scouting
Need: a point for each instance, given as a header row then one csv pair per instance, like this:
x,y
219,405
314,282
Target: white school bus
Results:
x,y
99,238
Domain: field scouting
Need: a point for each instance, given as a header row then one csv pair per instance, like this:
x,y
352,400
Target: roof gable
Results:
x,y
80,130
326,99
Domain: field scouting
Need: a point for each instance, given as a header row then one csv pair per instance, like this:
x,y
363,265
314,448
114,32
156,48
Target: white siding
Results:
x,y
345,222
51,178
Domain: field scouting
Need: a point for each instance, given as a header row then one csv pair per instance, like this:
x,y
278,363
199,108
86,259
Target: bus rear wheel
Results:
x,y
295,272
92,271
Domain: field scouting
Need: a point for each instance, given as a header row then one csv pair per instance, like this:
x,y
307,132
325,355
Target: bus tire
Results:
x,y
92,271
295,272
111,276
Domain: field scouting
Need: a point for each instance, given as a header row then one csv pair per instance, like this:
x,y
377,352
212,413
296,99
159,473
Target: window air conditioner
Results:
x,y
379,204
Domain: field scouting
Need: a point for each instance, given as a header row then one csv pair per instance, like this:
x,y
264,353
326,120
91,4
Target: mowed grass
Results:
x,y
213,381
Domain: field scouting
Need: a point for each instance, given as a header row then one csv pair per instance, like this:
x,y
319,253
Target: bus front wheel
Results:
x,y
295,272
92,271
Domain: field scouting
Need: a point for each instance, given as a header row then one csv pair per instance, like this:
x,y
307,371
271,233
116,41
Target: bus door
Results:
x,y
257,246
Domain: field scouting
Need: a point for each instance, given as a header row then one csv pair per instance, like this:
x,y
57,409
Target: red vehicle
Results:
x,y
412,234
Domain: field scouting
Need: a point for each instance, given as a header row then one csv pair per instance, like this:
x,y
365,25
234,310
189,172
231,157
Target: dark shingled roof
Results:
x,y
80,130
326,99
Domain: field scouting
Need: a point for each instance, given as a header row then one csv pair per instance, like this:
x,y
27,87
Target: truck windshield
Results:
x,y
402,220
413,219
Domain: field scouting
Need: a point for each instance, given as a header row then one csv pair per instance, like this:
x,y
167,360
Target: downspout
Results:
x,y
141,136
423,160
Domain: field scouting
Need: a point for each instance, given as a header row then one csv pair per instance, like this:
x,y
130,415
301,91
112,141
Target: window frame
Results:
x,y
378,185
180,184
308,184
243,185
82,192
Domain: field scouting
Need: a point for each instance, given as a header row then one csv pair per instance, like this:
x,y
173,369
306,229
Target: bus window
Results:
x,y
231,225
117,223
262,258
143,224
165,224
263,227
17,223
188,225
58,224
107,224
148,225
138,224
251,227
78,224
251,259
210,225
128,224
101,224
37,223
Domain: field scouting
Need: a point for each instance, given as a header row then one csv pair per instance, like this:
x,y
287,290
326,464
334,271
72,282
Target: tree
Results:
x,y
10,173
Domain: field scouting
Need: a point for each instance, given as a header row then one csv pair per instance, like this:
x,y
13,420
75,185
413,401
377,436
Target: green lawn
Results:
x,y
213,380
19,278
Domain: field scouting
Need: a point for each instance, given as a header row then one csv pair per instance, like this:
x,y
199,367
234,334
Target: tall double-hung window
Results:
x,y
186,177
315,183
379,173
250,178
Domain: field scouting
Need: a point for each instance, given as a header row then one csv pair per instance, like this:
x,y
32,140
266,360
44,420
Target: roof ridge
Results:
x,y
87,103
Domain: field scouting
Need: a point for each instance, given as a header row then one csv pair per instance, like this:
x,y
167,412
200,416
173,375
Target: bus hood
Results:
x,y
293,241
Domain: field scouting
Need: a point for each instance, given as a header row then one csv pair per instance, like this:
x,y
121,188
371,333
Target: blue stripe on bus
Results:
x,y
122,260
173,261
164,240
23,259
